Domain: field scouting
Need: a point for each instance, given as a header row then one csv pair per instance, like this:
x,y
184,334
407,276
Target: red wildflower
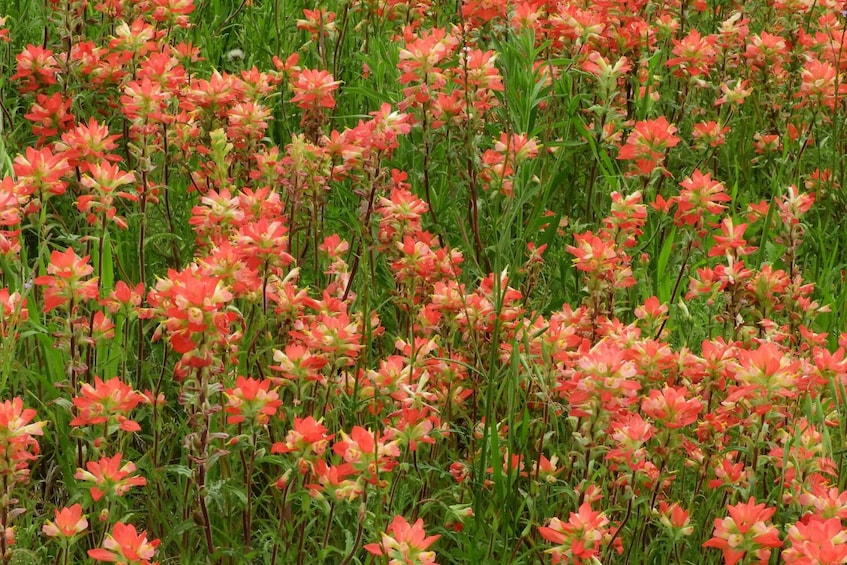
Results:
x,y
313,89
675,519
264,243
109,477
694,55
191,305
700,195
41,172
102,181
50,116
144,100
64,280
580,539
732,241
251,399
419,60
670,407
107,403
88,144
647,143
405,543
367,451
308,440
172,12
728,473
69,522
37,68
745,531
13,312
126,546
607,74
18,445
816,540
709,133
317,22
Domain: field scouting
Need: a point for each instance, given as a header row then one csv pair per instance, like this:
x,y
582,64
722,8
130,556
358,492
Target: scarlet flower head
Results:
x,y
405,544
251,399
695,55
192,307
50,115
88,144
125,545
263,243
69,523
308,439
367,451
647,143
107,403
110,478
64,280
676,519
317,22
102,181
731,242
816,540
13,312
41,172
745,531
173,12
670,407
37,68
123,298
145,101
580,539
18,445
314,89
709,133
607,73
15,426
700,195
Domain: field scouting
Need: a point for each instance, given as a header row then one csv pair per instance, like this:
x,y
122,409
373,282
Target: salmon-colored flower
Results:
x,y
314,89
88,144
191,305
69,523
37,67
18,445
125,545
647,143
41,172
110,478
107,403
676,519
670,407
580,539
50,115
251,399
745,531
694,54
102,181
368,452
816,540
731,241
308,440
317,22
405,544
64,280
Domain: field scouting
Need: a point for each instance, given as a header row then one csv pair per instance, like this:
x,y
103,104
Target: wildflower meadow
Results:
x,y
417,282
